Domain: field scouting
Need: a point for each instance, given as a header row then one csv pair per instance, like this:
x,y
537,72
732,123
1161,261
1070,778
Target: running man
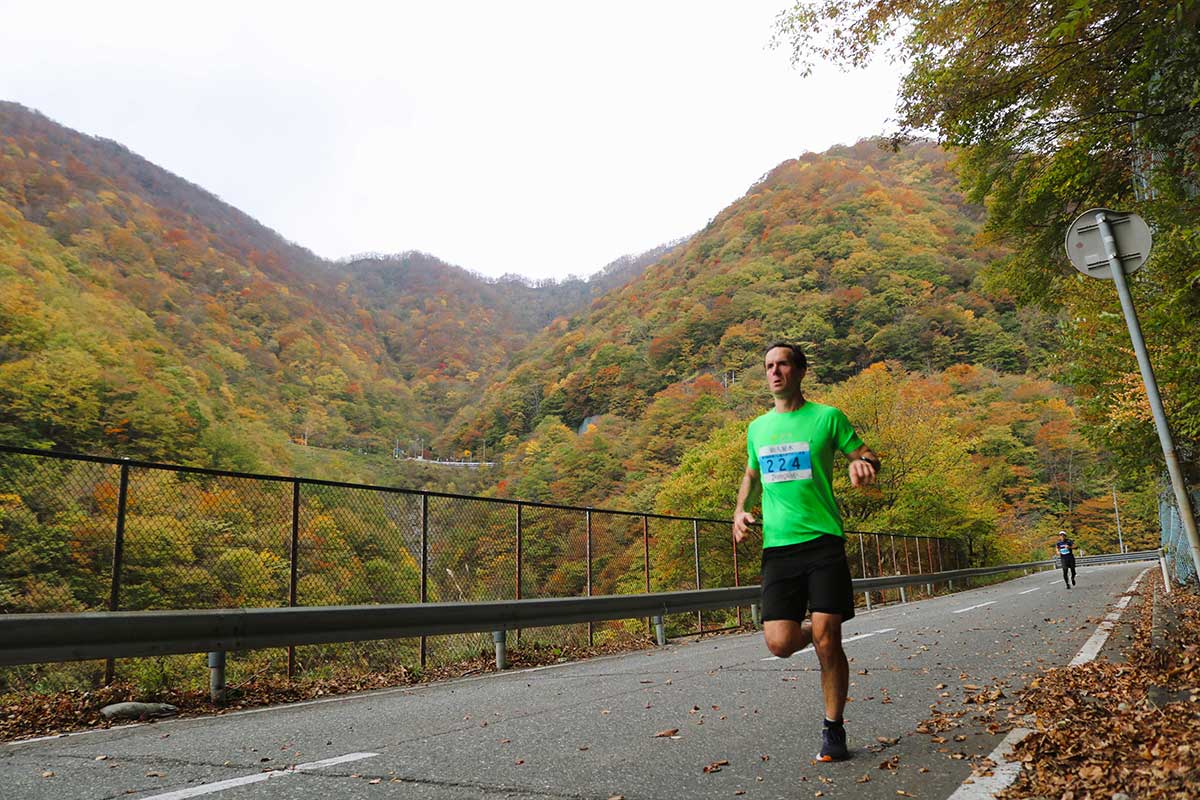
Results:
x,y
790,453
1066,552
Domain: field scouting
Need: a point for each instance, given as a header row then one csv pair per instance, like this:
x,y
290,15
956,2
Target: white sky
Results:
x,y
537,138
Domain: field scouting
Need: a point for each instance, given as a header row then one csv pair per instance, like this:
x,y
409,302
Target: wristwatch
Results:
x,y
874,462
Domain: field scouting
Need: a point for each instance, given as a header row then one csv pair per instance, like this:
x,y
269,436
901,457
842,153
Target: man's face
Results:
x,y
783,377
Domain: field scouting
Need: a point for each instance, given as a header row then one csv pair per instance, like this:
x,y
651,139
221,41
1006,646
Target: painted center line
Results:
x,y
972,608
885,630
219,786
1027,591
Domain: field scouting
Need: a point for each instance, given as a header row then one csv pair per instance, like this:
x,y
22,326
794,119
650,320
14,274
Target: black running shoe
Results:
x,y
833,744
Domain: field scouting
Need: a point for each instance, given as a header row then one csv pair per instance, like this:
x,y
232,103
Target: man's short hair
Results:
x,y
798,359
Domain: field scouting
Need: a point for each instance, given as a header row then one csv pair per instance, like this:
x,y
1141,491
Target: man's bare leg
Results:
x,y
826,635
786,636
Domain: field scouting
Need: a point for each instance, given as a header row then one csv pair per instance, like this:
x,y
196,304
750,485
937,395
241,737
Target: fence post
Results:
x,y
879,563
737,578
588,555
862,552
895,562
424,564
646,555
929,585
696,559
294,558
114,597
520,555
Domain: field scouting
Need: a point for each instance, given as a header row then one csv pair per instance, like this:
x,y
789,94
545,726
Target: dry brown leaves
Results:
x,y
1097,734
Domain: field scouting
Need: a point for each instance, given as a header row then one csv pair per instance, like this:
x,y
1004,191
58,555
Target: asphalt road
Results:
x,y
587,730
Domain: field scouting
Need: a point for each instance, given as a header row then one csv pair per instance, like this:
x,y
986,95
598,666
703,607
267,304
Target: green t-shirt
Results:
x,y
793,454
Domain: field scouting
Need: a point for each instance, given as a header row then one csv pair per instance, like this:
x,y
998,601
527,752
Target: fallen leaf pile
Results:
x,y
1105,728
27,714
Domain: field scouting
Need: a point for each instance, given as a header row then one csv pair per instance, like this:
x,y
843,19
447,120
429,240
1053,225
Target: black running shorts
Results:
x,y
810,576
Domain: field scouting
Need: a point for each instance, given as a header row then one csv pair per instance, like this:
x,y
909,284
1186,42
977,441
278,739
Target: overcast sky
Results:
x,y
537,138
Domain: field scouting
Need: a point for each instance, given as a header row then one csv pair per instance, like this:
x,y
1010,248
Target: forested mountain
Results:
x,y
867,256
140,315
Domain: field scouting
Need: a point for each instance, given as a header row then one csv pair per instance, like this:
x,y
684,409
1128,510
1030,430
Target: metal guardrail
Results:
x,y
40,638
1115,558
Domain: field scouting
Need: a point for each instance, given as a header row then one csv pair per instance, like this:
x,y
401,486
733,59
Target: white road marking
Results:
x,y
972,608
1027,591
1091,648
885,630
809,648
856,638
219,786
1005,772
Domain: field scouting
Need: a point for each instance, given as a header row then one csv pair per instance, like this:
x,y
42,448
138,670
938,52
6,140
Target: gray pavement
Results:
x,y
587,730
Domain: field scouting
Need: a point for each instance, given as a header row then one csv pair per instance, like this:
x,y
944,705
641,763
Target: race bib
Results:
x,y
785,462
1064,550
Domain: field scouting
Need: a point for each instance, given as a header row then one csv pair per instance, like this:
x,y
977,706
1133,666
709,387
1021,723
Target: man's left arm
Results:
x,y
864,465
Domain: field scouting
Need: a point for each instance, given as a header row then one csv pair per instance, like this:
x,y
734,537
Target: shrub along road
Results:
x,y
930,683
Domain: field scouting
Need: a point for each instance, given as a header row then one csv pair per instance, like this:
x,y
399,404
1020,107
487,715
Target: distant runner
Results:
x,y
1066,552
790,453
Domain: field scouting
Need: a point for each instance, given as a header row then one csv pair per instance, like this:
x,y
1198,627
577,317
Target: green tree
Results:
x,y
1055,107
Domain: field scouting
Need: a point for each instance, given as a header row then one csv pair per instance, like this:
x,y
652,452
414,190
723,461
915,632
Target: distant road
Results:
x,y
587,730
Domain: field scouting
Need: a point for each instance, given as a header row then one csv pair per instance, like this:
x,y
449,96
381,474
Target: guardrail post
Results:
x,y
696,560
903,598
424,563
294,558
1162,562
588,555
216,676
660,630
501,649
114,597
756,615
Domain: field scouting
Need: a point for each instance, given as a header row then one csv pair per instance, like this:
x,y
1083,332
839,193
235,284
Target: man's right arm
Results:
x,y
741,518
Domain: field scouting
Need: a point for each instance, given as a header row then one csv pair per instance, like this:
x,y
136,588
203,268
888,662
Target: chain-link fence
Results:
x,y
80,533
1176,548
